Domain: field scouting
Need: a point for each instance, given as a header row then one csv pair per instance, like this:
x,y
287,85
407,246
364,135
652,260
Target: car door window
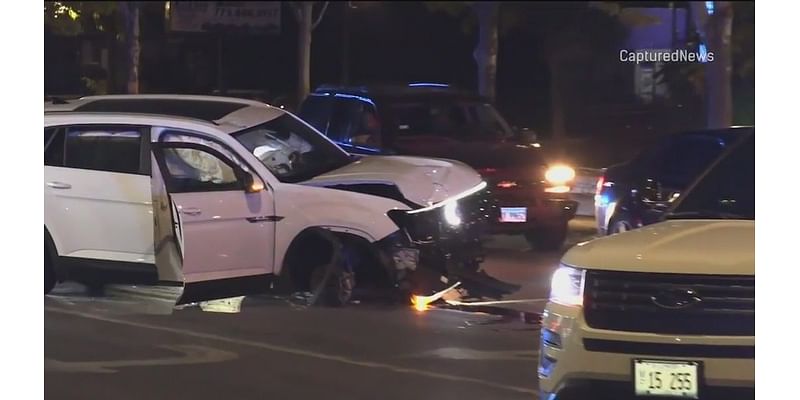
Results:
x,y
54,148
168,135
686,158
354,121
104,148
728,187
194,168
316,110
48,136
423,118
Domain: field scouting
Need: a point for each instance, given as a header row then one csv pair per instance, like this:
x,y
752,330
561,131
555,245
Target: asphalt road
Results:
x,y
271,349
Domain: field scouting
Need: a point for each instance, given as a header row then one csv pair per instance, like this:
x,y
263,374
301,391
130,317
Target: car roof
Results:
x,y
75,118
400,91
229,114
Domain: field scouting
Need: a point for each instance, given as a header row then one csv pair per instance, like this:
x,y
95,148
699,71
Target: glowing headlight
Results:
x,y
559,174
566,286
451,213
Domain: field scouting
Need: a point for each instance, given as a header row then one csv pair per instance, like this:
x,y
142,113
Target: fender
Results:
x,y
307,207
352,231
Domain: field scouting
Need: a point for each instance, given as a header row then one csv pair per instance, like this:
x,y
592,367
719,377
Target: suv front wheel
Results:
x,y
333,284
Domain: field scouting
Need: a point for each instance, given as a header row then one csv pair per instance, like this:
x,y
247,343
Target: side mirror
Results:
x,y
252,183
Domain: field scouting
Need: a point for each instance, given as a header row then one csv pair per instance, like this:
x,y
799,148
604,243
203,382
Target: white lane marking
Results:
x,y
462,353
191,355
493,302
303,353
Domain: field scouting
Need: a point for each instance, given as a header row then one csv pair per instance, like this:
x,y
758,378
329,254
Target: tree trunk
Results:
x,y
305,24
130,14
486,50
715,31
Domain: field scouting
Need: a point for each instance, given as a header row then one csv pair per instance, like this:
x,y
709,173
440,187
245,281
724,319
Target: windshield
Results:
x,y
726,191
292,150
468,120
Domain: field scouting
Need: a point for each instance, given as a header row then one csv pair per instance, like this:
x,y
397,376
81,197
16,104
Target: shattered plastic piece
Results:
x,y
231,305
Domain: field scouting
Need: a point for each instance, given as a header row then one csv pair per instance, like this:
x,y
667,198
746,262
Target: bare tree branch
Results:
x,y
295,9
319,17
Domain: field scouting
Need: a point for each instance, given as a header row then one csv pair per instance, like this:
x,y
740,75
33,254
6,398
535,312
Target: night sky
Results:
x,y
389,42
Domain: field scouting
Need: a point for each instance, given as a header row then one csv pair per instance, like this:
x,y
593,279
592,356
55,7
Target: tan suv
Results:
x,y
667,311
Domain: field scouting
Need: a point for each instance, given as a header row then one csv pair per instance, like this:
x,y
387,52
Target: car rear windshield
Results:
x,y
455,119
726,191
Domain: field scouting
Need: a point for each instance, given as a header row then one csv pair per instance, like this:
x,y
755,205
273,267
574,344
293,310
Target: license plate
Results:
x,y
513,214
666,378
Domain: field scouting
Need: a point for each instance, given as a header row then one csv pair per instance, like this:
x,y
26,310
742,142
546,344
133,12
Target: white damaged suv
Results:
x,y
665,311
222,197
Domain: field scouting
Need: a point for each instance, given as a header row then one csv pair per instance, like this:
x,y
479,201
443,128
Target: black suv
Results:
x,y
638,192
435,120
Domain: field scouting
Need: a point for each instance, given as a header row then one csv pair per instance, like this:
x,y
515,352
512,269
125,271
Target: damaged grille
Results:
x,y
670,303
475,211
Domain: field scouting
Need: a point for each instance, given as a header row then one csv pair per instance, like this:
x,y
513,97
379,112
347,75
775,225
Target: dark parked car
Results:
x,y
434,120
638,192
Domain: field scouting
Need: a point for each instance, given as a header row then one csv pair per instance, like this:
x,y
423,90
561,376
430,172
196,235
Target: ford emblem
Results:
x,y
675,299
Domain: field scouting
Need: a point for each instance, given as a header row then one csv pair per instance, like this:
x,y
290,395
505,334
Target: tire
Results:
x,y
619,224
333,284
547,238
316,267
49,274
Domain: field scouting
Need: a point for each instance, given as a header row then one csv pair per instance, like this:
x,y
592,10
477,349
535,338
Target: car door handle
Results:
x,y
59,185
265,218
190,211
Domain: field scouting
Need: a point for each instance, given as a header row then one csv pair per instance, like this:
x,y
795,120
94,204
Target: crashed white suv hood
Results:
x,y
716,247
423,181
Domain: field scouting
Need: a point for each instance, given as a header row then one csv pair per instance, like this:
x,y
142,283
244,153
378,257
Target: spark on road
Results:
x,y
421,302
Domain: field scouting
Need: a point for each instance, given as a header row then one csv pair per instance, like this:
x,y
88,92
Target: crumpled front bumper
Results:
x,y
429,255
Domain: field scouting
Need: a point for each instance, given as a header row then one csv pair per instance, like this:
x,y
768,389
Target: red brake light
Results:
x,y
506,184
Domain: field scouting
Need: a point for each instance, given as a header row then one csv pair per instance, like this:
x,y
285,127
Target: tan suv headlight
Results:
x,y
566,286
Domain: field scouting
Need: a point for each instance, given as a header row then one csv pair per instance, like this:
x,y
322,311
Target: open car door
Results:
x,y
220,238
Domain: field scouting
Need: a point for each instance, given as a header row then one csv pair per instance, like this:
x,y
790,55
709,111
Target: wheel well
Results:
x,y
366,261
311,248
317,246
